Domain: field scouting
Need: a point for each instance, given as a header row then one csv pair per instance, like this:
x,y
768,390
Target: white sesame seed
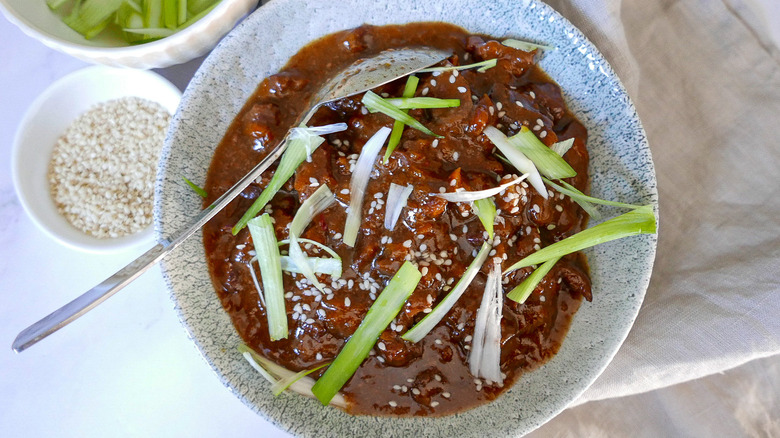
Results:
x,y
415,391
455,156
392,404
446,394
408,243
433,82
345,191
543,134
435,143
462,89
452,78
425,91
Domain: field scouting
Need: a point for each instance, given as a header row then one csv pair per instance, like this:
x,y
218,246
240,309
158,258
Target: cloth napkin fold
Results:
x,y
705,78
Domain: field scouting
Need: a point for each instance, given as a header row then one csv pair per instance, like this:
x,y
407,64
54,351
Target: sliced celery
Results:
x,y
638,221
545,159
375,103
422,328
398,127
524,289
55,4
357,348
90,17
264,238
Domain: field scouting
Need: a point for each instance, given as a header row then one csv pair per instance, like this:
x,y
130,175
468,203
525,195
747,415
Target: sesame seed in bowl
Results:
x,y
86,154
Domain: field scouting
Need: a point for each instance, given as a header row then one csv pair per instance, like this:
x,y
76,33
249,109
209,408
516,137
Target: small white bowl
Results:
x,y
35,19
48,118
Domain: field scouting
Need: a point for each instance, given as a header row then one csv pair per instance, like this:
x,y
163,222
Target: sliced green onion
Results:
x,y
315,243
469,196
379,316
486,211
264,238
397,196
422,328
561,147
545,159
525,45
398,127
572,192
255,281
273,372
524,289
638,221
482,66
359,183
302,261
375,103
197,189
300,146
315,204
485,354
517,158
282,384
320,265
422,102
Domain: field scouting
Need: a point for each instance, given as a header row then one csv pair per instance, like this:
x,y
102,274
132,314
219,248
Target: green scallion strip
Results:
x,y
561,147
379,316
546,160
282,384
264,238
572,192
524,289
638,221
398,127
320,265
374,104
524,45
422,102
481,67
300,146
315,204
486,211
422,328
197,189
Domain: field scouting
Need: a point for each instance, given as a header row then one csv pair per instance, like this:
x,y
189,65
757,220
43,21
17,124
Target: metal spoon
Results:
x,y
359,77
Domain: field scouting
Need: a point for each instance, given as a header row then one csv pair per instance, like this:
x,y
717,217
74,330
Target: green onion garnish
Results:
x,y
273,373
282,384
375,104
486,211
524,289
320,265
398,127
422,102
545,159
315,204
484,65
300,146
524,45
422,328
485,354
561,147
517,158
197,189
264,239
572,192
638,221
379,316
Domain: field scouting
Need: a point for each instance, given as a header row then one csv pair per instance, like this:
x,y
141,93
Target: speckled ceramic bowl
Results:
x,y
621,168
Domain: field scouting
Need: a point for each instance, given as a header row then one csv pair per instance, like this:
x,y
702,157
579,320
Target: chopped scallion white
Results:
x,y
422,328
320,265
378,318
264,238
469,196
485,354
517,158
638,221
315,204
397,196
524,45
561,147
359,182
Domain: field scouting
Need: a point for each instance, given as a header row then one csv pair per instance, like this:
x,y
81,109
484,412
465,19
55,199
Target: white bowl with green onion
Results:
x,y
621,169
128,33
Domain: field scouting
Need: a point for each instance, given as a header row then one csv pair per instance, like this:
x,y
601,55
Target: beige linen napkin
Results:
x,y
705,78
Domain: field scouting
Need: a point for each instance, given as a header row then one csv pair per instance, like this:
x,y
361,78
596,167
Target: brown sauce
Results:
x,y
401,378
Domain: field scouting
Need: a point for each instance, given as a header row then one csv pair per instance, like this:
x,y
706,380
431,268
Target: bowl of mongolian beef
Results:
x,y
458,251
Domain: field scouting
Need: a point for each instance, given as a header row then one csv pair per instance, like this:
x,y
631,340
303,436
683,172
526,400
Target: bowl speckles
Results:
x,y
621,168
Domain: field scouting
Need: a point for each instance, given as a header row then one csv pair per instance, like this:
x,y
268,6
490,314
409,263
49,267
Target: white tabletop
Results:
x,y
126,368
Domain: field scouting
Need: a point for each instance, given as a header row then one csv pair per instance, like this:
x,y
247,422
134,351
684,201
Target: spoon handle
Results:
x,y
91,298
